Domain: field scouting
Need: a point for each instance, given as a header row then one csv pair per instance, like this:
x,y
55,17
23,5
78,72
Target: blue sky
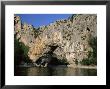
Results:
x,y
41,19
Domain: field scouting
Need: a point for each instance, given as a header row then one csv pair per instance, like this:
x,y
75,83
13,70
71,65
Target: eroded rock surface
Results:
x,y
70,36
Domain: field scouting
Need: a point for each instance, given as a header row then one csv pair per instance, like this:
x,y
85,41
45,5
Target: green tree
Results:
x,y
92,56
20,52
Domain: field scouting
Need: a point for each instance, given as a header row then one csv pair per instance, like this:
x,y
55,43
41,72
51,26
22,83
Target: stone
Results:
x,y
70,35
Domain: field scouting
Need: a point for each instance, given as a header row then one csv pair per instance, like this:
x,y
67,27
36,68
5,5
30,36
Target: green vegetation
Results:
x,y
36,30
20,52
92,56
63,62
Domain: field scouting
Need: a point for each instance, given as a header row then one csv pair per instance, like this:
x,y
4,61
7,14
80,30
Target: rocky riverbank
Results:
x,y
82,66
60,66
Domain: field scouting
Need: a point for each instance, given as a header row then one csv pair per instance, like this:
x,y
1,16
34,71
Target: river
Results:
x,y
54,71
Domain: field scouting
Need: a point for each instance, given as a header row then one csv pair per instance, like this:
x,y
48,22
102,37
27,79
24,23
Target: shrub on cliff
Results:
x,y
20,52
92,56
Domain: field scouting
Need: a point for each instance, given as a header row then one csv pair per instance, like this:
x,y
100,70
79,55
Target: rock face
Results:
x,y
24,32
69,37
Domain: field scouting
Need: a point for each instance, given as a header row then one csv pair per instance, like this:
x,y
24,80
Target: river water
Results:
x,y
54,71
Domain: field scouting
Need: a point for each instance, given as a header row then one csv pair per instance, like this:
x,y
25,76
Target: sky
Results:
x,y
41,19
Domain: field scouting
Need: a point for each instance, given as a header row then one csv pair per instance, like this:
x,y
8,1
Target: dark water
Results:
x,y
54,71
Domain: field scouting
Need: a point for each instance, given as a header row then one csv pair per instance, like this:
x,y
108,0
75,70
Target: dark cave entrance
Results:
x,y
50,58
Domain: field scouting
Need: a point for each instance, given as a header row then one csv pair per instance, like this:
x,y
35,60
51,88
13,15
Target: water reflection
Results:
x,y
54,71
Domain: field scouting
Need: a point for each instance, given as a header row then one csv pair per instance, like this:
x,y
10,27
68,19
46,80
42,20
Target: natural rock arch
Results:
x,y
64,33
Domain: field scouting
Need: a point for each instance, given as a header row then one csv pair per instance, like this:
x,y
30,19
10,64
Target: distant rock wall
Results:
x,y
70,35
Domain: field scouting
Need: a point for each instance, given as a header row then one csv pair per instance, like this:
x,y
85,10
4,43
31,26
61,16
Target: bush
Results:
x,y
20,52
63,62
89,61
92,56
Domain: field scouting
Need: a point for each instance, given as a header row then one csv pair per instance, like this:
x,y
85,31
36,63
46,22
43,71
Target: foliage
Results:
x,y
93,44
92,56
63,62
35,30
20,52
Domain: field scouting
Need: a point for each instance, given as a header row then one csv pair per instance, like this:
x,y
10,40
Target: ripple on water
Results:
x,y
54,71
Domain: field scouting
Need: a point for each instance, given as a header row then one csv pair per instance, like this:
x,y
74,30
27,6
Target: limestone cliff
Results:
x,y
69,36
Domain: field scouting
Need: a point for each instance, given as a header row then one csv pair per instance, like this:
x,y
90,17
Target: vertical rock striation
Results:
x,y
71,37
